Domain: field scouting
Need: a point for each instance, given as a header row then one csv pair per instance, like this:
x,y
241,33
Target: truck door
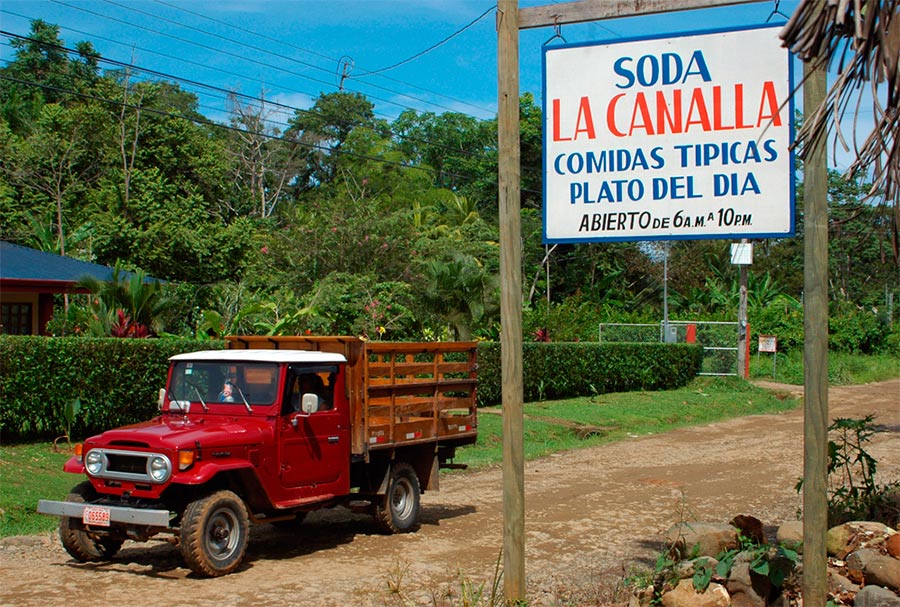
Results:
x,y
315,445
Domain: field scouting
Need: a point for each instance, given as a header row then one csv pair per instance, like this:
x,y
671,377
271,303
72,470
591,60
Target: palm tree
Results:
x,y
130,304
457,290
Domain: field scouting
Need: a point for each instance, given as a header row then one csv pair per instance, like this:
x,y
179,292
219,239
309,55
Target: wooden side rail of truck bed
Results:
x,y
399,392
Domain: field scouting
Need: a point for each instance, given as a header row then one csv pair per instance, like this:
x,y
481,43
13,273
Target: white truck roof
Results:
x,y
262,356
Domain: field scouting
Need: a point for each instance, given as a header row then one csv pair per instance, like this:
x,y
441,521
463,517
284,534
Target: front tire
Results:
x,y
398,510
214,532
82,545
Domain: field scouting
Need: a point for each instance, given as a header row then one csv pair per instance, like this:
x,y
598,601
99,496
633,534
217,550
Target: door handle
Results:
x,y
334,439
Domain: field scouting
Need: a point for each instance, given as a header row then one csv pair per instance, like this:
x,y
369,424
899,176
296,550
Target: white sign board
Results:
x,y
684,137
742,253
768,343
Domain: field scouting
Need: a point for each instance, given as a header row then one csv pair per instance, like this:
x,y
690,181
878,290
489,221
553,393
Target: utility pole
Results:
x,y
815,349
511,301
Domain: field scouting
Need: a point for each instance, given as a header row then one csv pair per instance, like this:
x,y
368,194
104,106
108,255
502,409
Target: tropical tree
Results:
x,y
323,129
130,304
458,291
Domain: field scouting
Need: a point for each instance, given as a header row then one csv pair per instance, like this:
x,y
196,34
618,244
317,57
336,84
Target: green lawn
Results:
x,y
553,426
28,473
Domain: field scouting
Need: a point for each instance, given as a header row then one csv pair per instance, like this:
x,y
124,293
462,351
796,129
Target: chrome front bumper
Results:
x,y
117,514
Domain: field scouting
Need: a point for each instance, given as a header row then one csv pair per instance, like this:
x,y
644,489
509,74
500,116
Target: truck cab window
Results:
x,y
223,382
318,380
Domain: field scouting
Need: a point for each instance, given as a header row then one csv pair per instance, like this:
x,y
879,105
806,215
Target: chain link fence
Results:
x,y
719,339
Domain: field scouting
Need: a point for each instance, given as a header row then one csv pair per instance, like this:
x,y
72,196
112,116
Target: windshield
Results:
x,y
224,382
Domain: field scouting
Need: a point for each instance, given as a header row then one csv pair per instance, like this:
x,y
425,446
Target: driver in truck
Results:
x,y
227,393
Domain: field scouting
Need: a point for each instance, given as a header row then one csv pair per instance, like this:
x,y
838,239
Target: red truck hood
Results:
x,y
179,432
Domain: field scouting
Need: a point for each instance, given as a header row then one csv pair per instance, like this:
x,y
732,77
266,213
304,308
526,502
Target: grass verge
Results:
x,y
30,472
843,369
554,426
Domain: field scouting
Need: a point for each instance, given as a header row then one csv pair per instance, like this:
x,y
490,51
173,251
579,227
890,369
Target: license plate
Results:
x,y
97,516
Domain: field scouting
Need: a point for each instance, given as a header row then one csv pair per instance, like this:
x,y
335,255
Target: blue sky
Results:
x,y
293,50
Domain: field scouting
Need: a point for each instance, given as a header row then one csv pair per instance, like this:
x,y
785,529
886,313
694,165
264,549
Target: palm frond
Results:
x,y
861,40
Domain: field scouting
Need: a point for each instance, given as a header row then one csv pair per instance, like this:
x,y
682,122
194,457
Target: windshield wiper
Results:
x,y
199,396
244,398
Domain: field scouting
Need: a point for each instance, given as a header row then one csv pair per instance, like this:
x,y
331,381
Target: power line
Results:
x,y
229,93
260,50
317,54
215,50
433,46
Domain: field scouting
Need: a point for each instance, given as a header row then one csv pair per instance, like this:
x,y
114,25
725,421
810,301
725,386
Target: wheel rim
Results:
x,y
222,535
401,499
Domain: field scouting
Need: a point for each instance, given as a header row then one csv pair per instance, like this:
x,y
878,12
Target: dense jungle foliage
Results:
x,y
343,222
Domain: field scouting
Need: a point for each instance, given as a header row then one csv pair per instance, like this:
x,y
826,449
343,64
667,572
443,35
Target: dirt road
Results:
x,y
590,513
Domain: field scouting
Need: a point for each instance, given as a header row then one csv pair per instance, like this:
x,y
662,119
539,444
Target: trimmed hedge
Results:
x,y
118,380
557,370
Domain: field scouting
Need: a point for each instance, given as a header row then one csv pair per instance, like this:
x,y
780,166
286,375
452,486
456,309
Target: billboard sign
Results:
x,y
683,137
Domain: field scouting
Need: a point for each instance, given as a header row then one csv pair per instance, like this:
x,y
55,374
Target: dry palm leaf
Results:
x,y
861,40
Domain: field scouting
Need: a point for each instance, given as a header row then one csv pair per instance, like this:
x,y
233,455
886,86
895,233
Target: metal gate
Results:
x,y
719,339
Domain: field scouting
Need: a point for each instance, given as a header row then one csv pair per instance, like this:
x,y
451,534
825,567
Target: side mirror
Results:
x,y
310,403
162,398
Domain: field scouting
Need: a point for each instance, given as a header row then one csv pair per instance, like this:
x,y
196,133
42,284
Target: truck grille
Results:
x,y
128,465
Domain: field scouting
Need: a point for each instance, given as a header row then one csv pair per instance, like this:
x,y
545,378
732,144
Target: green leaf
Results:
x,y
761,567
71,410
702,577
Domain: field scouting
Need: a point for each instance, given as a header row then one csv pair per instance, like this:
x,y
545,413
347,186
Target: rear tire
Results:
x,y
82,545
214,532
398,510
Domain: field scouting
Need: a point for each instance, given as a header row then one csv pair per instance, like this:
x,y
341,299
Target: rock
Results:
x,y
859,559
837,541
686,569
790,535
750,527
684,595
642,597
893,545
838,584
883,571
747,589
843,539
709,538
876,596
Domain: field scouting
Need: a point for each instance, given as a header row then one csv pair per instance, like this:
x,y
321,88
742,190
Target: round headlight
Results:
x,y
93,462
159,468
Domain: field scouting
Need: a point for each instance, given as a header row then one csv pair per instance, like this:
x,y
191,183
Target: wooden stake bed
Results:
x,y
400,393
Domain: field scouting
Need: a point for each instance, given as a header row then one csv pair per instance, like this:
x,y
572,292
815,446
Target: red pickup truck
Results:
x,y
268,430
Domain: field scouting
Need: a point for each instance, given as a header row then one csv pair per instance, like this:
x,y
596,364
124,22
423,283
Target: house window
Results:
x,y
15,318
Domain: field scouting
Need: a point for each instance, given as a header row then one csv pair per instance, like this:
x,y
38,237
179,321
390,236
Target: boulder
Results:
x,y
892,544
643,597
858,560
884,571
839,584
876,596
750,527
684,595
843,539
687,569
709,538
790,534
747,589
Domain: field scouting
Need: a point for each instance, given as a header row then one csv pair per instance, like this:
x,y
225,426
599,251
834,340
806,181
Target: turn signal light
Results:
x,y
185,459
78,451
